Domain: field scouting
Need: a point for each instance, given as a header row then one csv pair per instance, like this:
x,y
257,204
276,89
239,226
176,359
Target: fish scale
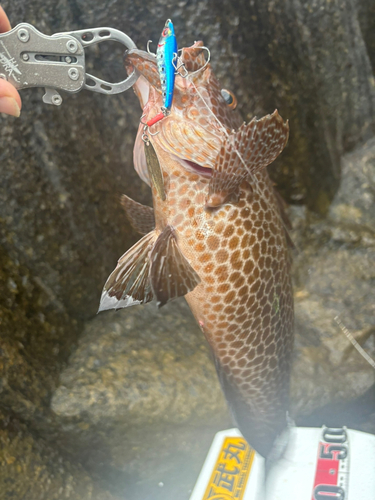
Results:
x,y
244,303
221,244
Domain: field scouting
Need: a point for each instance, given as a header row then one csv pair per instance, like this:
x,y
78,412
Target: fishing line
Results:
x,y
254,180
188,76
343,328
355,344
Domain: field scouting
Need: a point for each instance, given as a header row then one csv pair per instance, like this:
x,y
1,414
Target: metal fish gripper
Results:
x,y
28,58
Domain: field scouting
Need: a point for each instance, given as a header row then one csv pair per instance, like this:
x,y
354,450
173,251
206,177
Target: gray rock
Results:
x,y
334,289
143,407
31,469
139,366
141,389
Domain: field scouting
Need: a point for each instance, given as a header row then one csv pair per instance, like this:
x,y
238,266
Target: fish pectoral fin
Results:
x,y
129,284
141,217
171,274
244,152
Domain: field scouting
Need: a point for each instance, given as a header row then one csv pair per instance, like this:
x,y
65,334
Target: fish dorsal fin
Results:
x,y
129,283
171,274
244,152
146,64
141,217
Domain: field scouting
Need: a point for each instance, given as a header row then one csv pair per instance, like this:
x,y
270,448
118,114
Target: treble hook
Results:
x,y
186,73
178,64
148,48
145,137
146,131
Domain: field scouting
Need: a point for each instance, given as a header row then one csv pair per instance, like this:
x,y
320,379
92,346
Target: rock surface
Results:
x,y
140,366
334,275
137,413
30,469
140,388
140,373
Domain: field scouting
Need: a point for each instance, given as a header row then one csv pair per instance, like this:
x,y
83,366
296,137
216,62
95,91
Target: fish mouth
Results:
x,y
142,90
195,168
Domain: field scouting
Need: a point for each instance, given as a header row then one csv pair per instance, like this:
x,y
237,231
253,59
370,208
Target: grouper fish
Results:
x,y
216,235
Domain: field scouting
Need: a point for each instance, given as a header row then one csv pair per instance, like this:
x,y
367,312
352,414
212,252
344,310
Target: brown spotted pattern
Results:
x,y
193,57
243,302
245,151
140,216
145,64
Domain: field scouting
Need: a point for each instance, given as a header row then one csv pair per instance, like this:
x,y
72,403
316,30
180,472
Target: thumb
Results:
x,y
10,101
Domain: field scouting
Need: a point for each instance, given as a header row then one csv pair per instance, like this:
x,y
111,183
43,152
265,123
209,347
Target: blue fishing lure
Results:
x,y
166,60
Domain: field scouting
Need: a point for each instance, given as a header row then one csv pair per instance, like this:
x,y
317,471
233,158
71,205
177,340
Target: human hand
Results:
x,y
10,101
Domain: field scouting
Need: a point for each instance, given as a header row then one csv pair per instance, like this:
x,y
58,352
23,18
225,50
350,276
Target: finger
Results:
x,y
4,21
10,101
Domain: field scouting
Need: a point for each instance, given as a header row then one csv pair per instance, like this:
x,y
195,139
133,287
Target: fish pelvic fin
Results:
x,y
141,217
129,284
244,152
171,274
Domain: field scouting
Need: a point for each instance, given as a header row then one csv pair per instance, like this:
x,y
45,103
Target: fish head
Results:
x,y
167,32
200,116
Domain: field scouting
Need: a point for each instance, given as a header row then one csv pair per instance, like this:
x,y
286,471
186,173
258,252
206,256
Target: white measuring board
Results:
x,y
318,464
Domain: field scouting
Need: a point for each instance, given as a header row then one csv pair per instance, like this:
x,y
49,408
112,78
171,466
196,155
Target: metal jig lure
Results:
x,y
166,57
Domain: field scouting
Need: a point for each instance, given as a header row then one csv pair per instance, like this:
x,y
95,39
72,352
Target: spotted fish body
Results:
x,y
165,56
218,238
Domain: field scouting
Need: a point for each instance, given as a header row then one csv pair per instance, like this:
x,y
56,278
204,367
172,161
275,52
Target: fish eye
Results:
x,y
165,31
229,98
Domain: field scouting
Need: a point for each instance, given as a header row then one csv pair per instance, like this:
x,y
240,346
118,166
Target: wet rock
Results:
x,y
30,469
138,377
142,412
36,336
139,366
290,53
334,290
367,23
